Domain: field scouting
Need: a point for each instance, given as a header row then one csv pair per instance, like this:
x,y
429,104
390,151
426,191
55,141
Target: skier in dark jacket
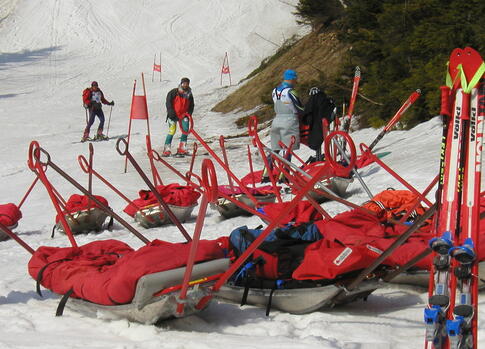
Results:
x,y
179,102
318,108
93,98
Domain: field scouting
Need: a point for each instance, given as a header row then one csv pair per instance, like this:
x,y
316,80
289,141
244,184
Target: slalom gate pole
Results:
x,y
209,183
411,99
35,154
90,175
86,168
171,215
14,236
129,125
216,157
109,120
226,162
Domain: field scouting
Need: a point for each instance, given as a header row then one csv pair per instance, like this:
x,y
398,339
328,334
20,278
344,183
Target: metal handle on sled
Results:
x,y
171,215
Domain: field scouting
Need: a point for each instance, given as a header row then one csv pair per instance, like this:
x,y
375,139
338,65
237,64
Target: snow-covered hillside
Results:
x,y
51,50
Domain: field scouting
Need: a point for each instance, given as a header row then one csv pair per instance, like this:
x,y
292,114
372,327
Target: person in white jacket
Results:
x,y
286,124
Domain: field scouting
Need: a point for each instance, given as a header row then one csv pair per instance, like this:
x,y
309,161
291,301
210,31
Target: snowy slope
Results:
x,y
51,50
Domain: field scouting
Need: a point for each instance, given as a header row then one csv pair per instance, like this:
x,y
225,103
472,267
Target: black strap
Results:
x,y
278,95
244,298
110,224
40,275
270,299
62,303
53,230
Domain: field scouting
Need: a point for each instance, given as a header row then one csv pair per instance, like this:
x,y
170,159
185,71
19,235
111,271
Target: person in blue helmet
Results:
x,y
286,124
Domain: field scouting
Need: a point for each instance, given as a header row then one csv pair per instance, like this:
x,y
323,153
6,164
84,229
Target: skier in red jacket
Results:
x,y
93,98
179,102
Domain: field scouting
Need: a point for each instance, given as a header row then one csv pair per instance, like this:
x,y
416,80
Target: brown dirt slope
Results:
x,y
314,54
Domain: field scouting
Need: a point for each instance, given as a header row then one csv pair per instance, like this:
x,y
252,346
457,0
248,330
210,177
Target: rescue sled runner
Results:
x,y
157,281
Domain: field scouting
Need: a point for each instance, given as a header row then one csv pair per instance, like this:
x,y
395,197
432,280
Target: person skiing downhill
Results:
x,y
285,125
93,98
179,102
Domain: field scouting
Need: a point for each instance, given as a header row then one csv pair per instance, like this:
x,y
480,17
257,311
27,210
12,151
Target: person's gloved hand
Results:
x,y
86,106
112,103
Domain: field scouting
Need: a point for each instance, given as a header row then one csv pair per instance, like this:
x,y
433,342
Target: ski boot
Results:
x,y
100,136
85,137
181,150
166,151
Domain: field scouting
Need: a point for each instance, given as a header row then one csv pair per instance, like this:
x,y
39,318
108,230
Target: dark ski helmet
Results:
x,y
187,80
94,83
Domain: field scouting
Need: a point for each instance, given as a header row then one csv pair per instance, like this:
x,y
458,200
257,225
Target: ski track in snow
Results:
x,y
51,50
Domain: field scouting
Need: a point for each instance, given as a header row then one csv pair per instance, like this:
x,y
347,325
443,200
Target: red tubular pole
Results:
x,y
170,214
411,99
253,132
36,166
129,125
28,192
375,158
251,170
156,176
14,236
216,157
283,214
226,162
192,161
146,106
209,182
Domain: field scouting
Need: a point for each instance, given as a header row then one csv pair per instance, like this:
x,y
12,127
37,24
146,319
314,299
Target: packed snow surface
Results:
x,y
51,50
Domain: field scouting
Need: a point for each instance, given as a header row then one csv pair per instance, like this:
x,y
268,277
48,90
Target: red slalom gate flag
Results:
x,y
157,67
225,70
139,109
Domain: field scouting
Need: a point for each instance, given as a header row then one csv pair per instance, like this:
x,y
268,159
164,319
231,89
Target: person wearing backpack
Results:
x,y
93,98
285,125
319,107
179,102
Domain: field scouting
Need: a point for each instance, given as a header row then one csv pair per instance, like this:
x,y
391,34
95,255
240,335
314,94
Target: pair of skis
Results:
x,y
451,315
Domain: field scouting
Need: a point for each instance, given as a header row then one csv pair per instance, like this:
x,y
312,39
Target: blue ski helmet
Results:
x,y
290,74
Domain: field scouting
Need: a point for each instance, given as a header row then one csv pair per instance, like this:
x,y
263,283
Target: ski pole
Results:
x,y
353,97
86,112
109,120
411,99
